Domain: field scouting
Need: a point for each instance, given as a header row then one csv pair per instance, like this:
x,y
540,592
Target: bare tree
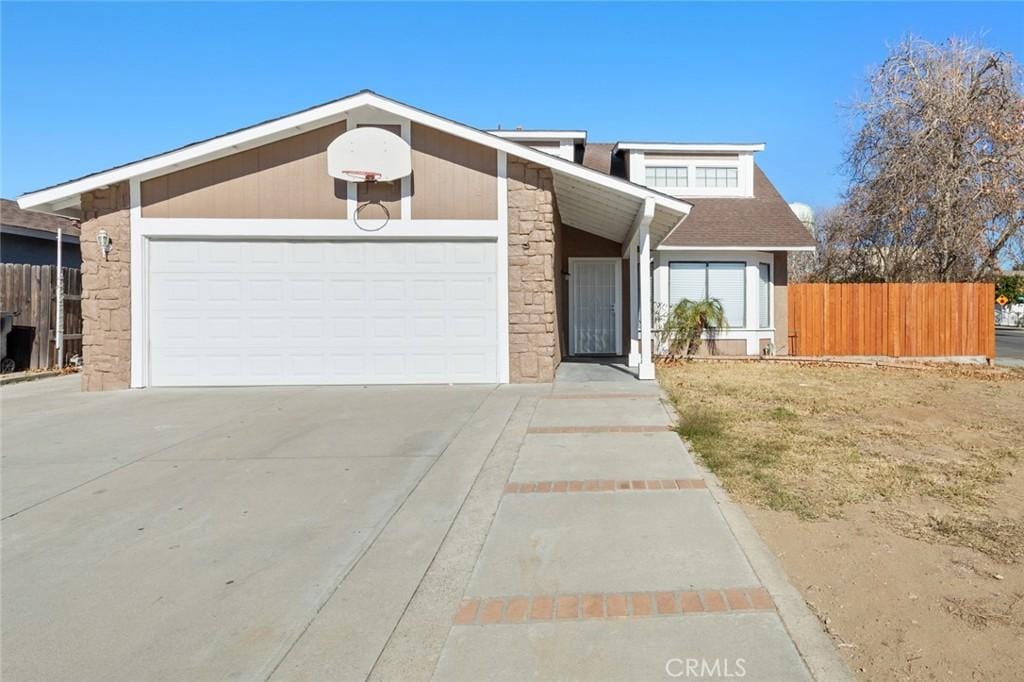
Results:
x,y
936,169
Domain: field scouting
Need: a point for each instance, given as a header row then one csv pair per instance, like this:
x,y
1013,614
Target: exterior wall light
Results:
x,y
103,240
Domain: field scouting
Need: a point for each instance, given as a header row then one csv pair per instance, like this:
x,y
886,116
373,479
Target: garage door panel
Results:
x,y
322,312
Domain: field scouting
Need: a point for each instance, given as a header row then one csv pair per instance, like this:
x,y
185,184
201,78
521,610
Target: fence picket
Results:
x,y
30,291
895,320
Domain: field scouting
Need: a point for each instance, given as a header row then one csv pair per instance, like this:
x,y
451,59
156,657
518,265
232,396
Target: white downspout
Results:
x,y
60,299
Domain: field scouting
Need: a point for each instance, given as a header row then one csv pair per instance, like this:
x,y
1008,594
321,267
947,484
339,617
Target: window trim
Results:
x,y
771,296
707,278
675,167
715,167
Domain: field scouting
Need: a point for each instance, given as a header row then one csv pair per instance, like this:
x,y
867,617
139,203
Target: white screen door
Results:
x,y
595,286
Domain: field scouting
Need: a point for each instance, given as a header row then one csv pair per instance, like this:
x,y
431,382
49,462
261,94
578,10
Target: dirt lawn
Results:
x,y
893,497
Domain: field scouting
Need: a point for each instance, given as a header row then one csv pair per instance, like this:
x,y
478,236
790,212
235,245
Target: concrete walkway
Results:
x,y
608,557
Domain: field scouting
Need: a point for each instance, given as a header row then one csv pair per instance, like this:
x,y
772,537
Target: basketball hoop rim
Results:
x,y
362,175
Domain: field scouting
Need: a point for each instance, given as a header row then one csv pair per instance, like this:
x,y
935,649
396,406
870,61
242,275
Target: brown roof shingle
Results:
x,y
14,216
764,220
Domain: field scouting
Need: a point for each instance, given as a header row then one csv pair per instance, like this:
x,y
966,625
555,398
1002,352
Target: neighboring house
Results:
x,y
31,237
237,260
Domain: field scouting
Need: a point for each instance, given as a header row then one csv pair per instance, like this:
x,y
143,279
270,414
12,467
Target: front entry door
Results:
x,y
595,304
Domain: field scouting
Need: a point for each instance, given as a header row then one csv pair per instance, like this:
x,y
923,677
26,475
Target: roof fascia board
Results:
x,y
37,233
735,248
528,153
339,108
541,134
198,152
688,147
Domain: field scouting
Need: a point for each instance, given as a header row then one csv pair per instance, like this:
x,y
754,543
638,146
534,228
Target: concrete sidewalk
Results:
x,y
608,557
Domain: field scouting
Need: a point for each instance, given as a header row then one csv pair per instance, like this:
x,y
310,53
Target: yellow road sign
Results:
x,y
1002,300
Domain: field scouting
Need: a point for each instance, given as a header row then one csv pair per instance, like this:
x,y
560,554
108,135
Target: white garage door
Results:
x,y
235,313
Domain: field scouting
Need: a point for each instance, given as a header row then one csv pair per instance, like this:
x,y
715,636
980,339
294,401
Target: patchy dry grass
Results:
x,y
813,439
894,498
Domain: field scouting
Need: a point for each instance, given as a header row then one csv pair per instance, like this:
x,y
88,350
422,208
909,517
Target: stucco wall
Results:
x,y
534,348
106,290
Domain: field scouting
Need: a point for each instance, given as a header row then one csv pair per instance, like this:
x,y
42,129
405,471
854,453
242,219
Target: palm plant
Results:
x,y
686,322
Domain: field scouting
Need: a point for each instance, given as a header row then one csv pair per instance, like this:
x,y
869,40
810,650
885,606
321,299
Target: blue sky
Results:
x,y
87,86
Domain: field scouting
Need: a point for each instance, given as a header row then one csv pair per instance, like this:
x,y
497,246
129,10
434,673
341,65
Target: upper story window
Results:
x,y
717,176
667,176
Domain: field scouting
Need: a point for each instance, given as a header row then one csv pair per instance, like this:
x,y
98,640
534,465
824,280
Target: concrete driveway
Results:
x,y
196,534
417,533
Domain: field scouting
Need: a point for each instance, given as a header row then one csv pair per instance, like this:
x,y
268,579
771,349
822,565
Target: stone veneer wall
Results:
x,y
534,348
106,290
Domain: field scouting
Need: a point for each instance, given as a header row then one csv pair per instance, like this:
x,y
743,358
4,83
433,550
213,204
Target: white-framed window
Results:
x,y
667,176
764,294
698,281
718,176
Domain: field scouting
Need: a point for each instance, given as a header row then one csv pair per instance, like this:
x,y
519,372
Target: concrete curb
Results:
x,y
19,377
815,646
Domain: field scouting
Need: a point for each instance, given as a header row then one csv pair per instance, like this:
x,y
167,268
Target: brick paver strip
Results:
x,y
519,609
737,599
603,486
641,604
617,605
567,607
492,611
593,606
610,428
713,600
666,602
467,612
690,602
759,598
542,608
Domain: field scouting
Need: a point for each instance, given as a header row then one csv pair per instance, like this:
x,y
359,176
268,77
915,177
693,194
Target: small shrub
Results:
x,y
683,327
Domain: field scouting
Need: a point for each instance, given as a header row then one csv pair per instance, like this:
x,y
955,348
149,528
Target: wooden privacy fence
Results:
x,y
30,290
896,320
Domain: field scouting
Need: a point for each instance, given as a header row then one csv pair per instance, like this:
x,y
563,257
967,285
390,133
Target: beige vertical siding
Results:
x,y
283,179
452,178
377,199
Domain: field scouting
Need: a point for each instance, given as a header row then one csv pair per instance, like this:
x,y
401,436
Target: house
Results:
x,y
30,237
239,260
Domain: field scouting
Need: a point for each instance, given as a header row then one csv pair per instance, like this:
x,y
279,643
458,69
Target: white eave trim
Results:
x,y
337,110
689,147
736,248
541,134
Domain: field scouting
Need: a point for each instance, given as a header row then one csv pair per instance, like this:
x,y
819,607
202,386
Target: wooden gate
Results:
x,y
30,291
896,320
